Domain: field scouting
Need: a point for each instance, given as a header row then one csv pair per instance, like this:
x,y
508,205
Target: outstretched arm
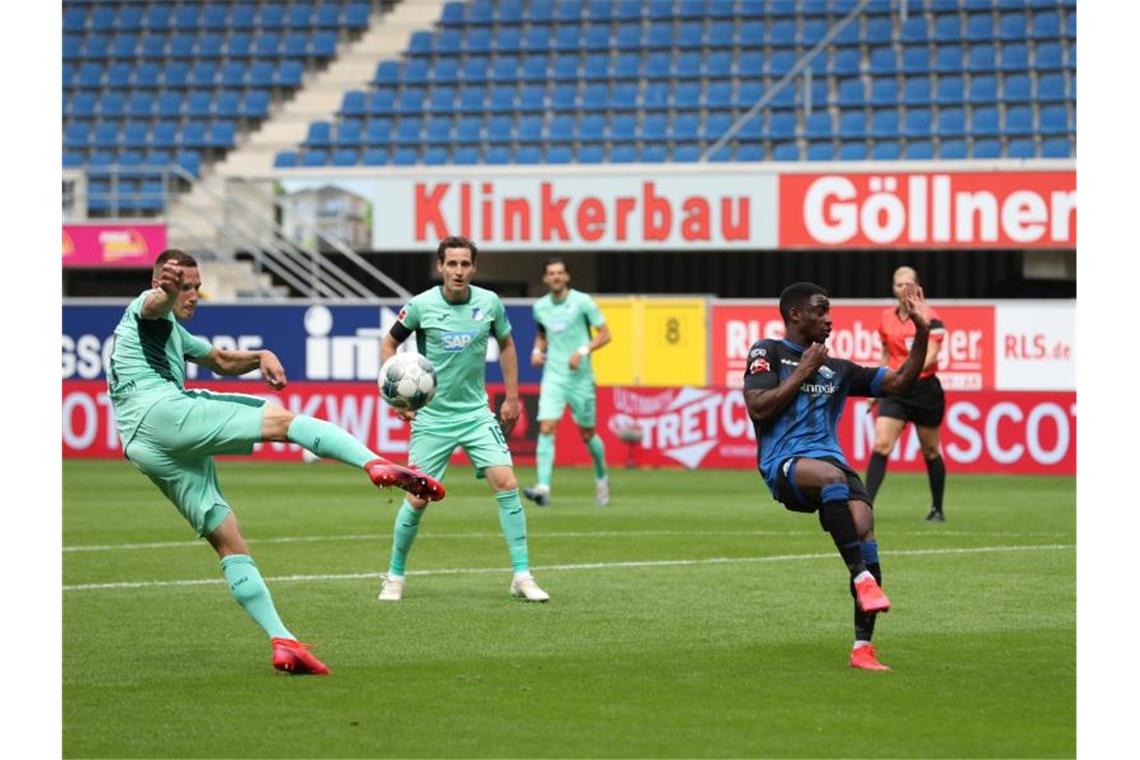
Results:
x,y
900,380
230,363
764,404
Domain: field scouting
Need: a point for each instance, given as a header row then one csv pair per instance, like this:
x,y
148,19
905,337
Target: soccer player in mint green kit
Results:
x,y
564,318
453,323
172,434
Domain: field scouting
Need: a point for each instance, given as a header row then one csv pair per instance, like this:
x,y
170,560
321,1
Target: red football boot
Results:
x,y
870,596
384,473
864,658
291,656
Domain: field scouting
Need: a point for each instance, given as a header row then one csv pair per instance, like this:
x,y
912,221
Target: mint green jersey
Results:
x,y
148,364
453,337
566,325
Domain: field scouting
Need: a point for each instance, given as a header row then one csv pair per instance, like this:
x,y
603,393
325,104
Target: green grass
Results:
x,y
741,652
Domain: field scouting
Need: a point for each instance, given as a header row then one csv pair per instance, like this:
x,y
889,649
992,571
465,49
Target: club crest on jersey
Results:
x,y
758,364
475,313
826,372
402,315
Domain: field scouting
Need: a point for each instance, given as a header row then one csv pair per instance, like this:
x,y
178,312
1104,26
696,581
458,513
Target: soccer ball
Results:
x,y
407,381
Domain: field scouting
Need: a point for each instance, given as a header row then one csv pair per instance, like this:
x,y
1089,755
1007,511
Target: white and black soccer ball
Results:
x,y
407,381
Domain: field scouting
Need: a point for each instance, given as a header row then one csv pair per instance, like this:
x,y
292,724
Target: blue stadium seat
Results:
x,y
750,65
1046,26
877,31
1017,89
918,122
1054,120
1019,121
596,67
952,149
720,35
913,30
716,124
559,154
780,63
655,128
1056,148
345,157
853,151
255,105
529,130
467,156
717,66
1051,88
289,74
982,59
468,130
658,66
916,60
983,89
885,151
382,103
718,95
501,100
884,91
655,97
987,149
687,97
818,125
350,134
628,37
948,59
627,67
233,74
561,129
1014,58
686,128
408,132
227,104
885,123
947,28
979,28
916,91
76,135
1022,149
83,105
112,105
686,154
850,93
437,132
811,33
781,126
242,17
591,128
985,122
1048,56
354,103
844,62
786,151
193,135
922,150
883,61
750,34
1011,27
852,125
564,98
591,154
164,135
749,94
652,154
951,123
951,91
319,136
593,98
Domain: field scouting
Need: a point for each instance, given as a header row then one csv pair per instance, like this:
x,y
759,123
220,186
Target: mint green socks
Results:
x,y
407,526
512,520
544,459
326,440
250,591
597,451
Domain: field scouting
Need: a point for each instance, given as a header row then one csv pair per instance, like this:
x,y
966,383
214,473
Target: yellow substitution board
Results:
x,y
656,341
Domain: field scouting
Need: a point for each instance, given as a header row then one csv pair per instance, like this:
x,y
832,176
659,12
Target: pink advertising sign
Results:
x,y
112,245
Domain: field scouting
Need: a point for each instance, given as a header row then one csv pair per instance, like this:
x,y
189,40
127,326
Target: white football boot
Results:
x,y
526,587
392,589
602,492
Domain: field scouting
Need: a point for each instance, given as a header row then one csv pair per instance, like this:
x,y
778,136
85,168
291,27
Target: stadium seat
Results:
x,y
983,89
1054,120
985,122
885,123
952,149
1022,149
987,149
916,91
786,151
885,151
1019,121
820,151
918,122
1056,148
853,151
1051,88
1017,89
923,150
948,59
950,91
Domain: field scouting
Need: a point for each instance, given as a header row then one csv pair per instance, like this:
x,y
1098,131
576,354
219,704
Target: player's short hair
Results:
x,y
902,269
176,255
456,241
796,295
555,260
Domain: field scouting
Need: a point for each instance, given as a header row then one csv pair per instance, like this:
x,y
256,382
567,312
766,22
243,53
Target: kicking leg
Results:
x,y
862,653
327,440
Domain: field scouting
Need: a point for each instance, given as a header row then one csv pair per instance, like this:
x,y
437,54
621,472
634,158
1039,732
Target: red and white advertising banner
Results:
x,y
965,358
604,210
932,209
112,245
986,431
1035,346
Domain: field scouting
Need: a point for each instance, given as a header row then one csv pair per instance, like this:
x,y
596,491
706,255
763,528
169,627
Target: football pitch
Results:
x,y
693,617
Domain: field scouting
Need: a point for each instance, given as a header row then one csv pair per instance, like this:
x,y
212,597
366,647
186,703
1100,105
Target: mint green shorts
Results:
x,y
177,440
580,393
434,441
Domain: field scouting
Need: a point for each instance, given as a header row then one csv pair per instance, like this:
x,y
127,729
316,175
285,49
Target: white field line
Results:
x,y
585,566
541,535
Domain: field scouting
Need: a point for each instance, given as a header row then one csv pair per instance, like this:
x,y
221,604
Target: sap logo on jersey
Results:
x,y
456,341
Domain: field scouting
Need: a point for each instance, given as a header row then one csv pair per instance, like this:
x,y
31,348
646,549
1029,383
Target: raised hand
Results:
x,y
170,278
917,307
813,358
